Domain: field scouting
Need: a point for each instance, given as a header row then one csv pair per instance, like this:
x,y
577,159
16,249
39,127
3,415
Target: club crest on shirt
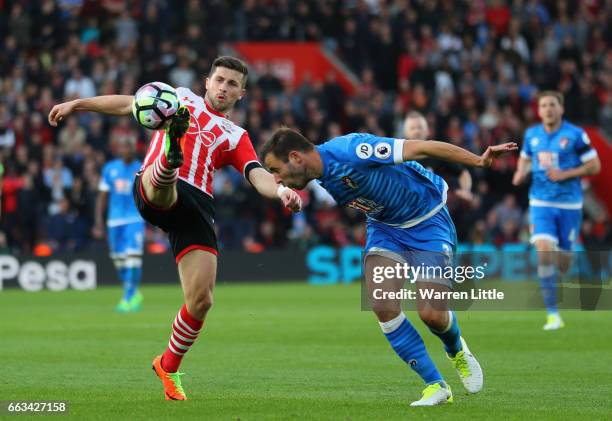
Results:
x,y
382,150
563,142
349,182
534,142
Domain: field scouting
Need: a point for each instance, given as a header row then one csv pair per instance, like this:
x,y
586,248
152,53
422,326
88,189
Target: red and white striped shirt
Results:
x,y
211,142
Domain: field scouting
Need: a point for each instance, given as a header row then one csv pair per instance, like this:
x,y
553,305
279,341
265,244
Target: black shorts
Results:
x,y
189,222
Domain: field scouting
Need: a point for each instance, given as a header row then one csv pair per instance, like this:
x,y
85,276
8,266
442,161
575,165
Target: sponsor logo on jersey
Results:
x,y
122,186
382,150
365,205
205,136
349,182
364,150
227,126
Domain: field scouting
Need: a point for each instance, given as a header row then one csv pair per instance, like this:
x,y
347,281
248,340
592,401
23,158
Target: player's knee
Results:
x,y
200,303
385,314
545,252
564,266
433,318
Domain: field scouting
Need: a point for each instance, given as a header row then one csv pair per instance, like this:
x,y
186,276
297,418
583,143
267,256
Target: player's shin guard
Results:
x,y
548,287
185,331
408,344
451,336
163,175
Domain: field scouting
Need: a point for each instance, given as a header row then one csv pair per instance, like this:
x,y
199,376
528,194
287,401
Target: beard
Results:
x,y
222,108
299,177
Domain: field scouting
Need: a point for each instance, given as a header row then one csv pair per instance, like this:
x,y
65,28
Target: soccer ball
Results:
x,y
154,105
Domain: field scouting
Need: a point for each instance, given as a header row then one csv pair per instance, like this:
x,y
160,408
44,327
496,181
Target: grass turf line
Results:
x,y
291,352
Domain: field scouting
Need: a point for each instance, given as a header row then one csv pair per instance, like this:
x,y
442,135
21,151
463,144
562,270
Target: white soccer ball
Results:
x,y
155,104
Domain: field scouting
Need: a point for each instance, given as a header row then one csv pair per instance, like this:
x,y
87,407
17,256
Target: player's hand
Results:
x,y
291,200
492,152
463,194
518,178
97,232
59,112
180,123
555,174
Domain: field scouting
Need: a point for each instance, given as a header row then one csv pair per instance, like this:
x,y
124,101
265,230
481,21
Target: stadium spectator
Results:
x,y
472,68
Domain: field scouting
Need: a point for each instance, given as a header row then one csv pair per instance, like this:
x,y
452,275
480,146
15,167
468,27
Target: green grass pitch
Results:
x,y
290,352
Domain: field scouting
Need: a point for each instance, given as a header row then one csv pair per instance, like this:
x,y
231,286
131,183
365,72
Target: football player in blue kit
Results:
x,y
124,224
557,154
407,223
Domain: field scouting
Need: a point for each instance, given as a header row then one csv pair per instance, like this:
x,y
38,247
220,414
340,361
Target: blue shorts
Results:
x,y
561,226
431,242
126,239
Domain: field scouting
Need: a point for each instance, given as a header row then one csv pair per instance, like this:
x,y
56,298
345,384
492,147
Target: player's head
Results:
x,y
550,107
127,148
226,83
415,126
286,155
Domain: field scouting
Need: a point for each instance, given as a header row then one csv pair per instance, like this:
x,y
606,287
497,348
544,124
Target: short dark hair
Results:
x,y
285,140
554,94
232,63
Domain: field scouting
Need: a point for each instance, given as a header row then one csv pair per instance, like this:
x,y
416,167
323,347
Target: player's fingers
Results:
x,y
286,201
52,117
504,147
297,205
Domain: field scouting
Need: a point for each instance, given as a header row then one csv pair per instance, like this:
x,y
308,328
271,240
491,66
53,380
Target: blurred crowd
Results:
x,y
473,68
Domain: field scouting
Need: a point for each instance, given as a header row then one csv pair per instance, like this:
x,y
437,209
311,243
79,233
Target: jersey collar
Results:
x,y
551,134
322,154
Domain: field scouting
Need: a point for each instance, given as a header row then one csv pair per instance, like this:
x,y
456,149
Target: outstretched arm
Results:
x,y
265,184
101,202
106,104
465,185
522,169
420,149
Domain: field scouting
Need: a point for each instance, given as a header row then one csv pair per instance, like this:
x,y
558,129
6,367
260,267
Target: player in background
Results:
x,y
407,222
173,191
415,128
125,227
557,153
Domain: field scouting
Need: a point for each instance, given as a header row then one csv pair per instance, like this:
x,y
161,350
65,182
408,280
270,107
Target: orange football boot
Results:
x,y
172,381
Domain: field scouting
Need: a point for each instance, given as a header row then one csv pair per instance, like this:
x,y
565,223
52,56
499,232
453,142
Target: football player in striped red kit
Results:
x,y
173,190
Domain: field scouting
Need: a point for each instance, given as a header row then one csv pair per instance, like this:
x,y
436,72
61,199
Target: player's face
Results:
x,y
223,88
292,173
550,110
416,129
126,150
